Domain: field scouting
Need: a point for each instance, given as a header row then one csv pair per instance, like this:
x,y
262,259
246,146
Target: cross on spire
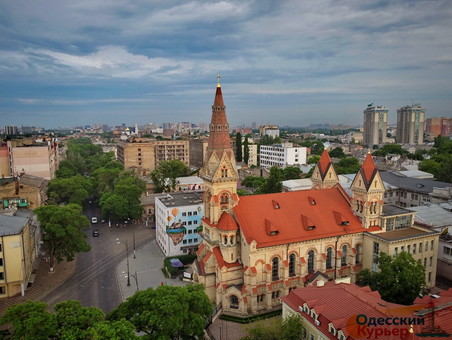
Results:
x,y
218,83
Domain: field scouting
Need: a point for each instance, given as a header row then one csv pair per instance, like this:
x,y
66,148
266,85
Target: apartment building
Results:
x,y
375,124
438,126
143,155
410,124
269,130
34,158
282,155
19,241
178,222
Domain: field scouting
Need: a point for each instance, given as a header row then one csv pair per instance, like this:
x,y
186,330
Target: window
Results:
x,y
329,258
2,276
189,223
414,248
420,247
358,254
408,248
184,241
195,213
396,251
1,262
275,295
431,261
425,262
234,302
426,245
275,269
344,256
376,252
184,214
430,277
402,248
431,245
195,239
224,199
189,213
190,241
292,259
311,259
447,250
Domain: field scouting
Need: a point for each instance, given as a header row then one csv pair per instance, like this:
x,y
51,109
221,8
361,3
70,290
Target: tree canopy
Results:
x,y
75,189
31,320
167,312
400,279
390,148
440,163
276,329
165,174
273,183
337,153
246,150
348,165
62,234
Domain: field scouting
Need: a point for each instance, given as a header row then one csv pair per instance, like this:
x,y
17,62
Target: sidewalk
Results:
x,y
148,266
43,284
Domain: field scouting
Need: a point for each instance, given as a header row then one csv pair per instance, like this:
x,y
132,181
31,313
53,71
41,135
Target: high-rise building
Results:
x,y
375,123
11,130
438,126
410,124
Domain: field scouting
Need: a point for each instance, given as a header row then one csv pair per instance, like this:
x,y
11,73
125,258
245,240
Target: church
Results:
x,y
256,249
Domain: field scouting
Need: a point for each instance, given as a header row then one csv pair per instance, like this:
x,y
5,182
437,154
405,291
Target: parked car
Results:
x,y
95,232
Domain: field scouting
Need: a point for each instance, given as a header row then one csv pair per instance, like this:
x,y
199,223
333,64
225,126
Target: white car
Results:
x,y
93,220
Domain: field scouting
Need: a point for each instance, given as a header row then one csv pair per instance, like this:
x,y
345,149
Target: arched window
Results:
x,y
329,258
358,255
224,199
311,260
234,302
344,256
292,265
225,240
275,269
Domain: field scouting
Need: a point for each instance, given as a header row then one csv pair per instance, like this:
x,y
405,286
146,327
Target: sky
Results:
x,y
66,63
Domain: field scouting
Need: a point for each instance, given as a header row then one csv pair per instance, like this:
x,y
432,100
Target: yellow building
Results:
x,y
26,188
18,249
143,155
258,248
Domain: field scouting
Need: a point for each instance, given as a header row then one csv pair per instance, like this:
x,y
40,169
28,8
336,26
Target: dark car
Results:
x,y
95,232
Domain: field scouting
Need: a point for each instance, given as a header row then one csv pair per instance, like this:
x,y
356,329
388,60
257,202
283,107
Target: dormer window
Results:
x,y
275,205
311,200
331,329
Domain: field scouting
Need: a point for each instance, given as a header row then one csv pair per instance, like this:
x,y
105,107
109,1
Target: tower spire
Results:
x,y
218,82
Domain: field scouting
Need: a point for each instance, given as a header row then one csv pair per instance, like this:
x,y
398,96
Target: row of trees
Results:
x,y
167,312
440,163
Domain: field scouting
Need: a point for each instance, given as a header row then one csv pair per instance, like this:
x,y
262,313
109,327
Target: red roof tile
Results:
x,y
220,261
226,222
324,162
368,168
252,212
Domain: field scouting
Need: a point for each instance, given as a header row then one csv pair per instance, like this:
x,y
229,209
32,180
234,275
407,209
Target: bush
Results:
x,y
185,259
250,319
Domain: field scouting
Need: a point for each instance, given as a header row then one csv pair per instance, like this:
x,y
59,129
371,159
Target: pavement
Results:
x,y
44,283
145,270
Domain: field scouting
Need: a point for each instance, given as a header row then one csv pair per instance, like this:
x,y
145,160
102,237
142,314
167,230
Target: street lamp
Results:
x,y
133,233
136,278
127,253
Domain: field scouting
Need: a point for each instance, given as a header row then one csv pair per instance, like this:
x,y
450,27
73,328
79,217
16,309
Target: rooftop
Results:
x,y
403,234
434,215
181,199
12,225
391,209
412,184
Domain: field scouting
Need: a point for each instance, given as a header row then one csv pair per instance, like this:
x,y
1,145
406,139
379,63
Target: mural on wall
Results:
x,y
175,229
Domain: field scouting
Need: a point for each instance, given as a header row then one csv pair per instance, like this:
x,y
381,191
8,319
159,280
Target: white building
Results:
x,y
252,149
269,130
178,221
282,155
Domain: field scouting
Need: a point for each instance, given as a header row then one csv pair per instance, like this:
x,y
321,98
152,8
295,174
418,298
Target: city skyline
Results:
x,y
291,63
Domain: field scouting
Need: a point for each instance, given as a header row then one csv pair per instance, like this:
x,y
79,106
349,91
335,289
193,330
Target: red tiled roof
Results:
x,y
200,249
324,162
368,168
226,222
252,212
220,261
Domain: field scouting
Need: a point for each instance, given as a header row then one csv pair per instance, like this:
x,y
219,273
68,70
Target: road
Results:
x,y
94,282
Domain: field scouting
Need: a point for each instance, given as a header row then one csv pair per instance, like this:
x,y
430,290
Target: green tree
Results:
x,y
291,172
400,279
30,321
74,320
74,189
313,159
276,329
390,149
242,192
62,234
114,206
112,330
348,165
253,181
246,150
337,153
238,145
273,184
164,176
167,312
